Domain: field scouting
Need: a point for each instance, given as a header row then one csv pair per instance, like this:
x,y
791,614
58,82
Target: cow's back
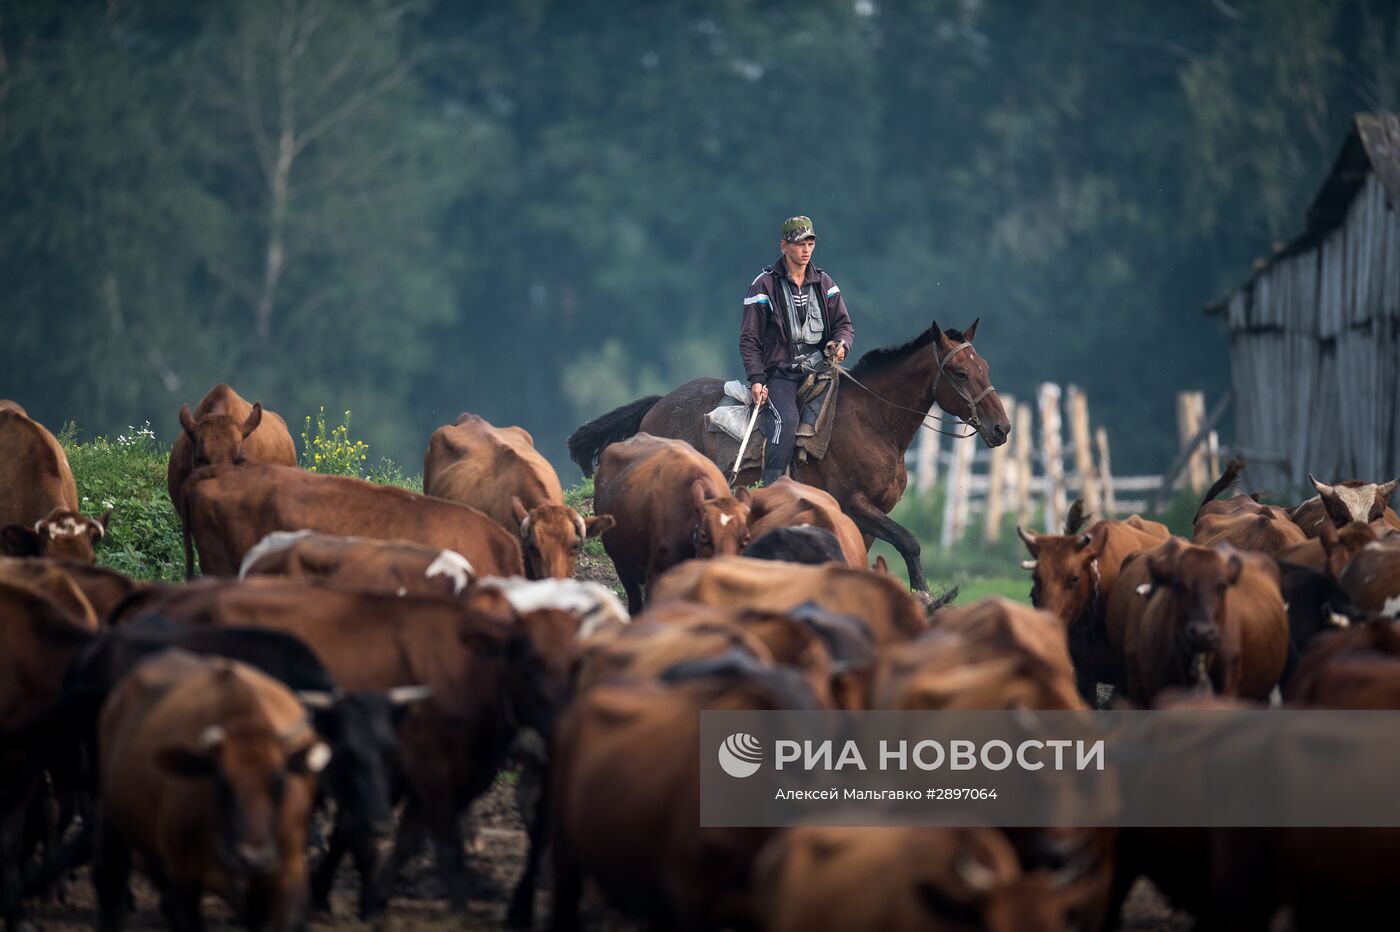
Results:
x,y
34,474
484,466
1125,538
880,600
396,567
53,582
788,503
233,508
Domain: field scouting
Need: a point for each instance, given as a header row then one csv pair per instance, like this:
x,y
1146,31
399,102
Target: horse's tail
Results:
x,y
586,444
1227,479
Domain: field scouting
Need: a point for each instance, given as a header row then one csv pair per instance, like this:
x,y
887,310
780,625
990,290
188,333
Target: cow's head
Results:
x,y
552,537
1354,502
216,439
543,651
721,523
1199,578
1341,546
62,535
1064,570
253,769
360,728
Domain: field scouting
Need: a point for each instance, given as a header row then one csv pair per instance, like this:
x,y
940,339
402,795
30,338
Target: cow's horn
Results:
x,y
1028,564
1322,487
582,528
974,873
1083,541
316,698
1386,489
296,732
403,695
211,737
1027,536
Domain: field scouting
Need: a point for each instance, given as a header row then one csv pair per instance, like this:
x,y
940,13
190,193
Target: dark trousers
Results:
x,y
782,395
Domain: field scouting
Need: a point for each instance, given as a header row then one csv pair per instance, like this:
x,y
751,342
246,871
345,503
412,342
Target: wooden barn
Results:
x,y
1315,331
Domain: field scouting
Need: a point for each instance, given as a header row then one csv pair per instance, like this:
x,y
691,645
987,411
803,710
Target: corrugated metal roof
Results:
x,y
1373,145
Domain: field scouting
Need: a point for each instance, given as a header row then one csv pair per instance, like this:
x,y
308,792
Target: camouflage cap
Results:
x,y
796,229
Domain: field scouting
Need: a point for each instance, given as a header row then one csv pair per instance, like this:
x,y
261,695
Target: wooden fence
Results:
x,y
1038,473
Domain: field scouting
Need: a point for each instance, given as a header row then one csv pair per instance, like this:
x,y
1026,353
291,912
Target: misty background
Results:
x,y
539,210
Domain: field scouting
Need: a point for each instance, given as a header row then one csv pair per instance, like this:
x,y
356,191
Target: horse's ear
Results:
x,y
937,333
970,331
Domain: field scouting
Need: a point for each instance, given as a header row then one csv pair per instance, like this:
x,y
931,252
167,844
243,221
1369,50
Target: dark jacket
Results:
x,y
763,339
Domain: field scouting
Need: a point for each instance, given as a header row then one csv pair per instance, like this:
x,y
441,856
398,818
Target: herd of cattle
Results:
x,y
361,648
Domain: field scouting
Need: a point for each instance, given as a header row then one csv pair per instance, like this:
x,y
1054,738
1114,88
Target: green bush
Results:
x,y
127,475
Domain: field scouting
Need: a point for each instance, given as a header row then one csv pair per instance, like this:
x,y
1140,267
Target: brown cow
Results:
x,y
1350,502
878,599
38,638
660,639
1241,521
499,471
208,769
670,504
789,503
1330,550
232,508
1072,575
224,428
847,879
1372,579
490,673
994,654
39,514
1208,617
396,567
54,583
627,796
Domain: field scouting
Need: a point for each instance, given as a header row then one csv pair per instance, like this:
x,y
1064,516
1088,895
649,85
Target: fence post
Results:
x,y
1213,452
954,506
996,480
1052,454
926,458
1083,452
1110,503
1023,441
1190,411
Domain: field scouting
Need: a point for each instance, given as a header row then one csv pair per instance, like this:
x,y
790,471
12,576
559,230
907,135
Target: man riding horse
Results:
x,y
878,412
792,311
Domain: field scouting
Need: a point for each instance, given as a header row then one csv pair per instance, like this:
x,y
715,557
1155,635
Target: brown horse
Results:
x,y
864,466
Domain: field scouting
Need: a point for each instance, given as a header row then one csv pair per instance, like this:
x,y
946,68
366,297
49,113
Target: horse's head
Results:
x,y
963,385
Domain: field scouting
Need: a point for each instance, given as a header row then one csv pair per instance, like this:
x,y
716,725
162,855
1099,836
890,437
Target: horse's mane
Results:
x,y
878,360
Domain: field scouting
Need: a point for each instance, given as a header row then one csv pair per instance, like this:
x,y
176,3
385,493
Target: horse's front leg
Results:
x,y
872,520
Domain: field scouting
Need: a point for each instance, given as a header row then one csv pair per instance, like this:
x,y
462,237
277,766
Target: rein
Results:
x,y
971,420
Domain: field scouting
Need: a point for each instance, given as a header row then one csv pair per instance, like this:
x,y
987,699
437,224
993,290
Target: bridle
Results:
x,y
972,420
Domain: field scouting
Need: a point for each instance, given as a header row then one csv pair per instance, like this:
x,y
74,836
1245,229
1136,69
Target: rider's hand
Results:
x,y
839,353
759,391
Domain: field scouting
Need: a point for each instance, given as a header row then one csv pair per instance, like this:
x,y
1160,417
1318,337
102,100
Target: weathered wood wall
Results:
x,y
1315,352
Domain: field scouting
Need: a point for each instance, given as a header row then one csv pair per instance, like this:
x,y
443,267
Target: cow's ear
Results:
x,y
742,496
697,494
254,419
599,524
180,762
16,540
518,509
1159,566
880,566
971,331
311,759
1233,567
187,420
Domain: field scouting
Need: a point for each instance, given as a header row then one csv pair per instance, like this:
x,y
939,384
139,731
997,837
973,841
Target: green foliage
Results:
x,y
127,475
580,499
387,472
329,449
